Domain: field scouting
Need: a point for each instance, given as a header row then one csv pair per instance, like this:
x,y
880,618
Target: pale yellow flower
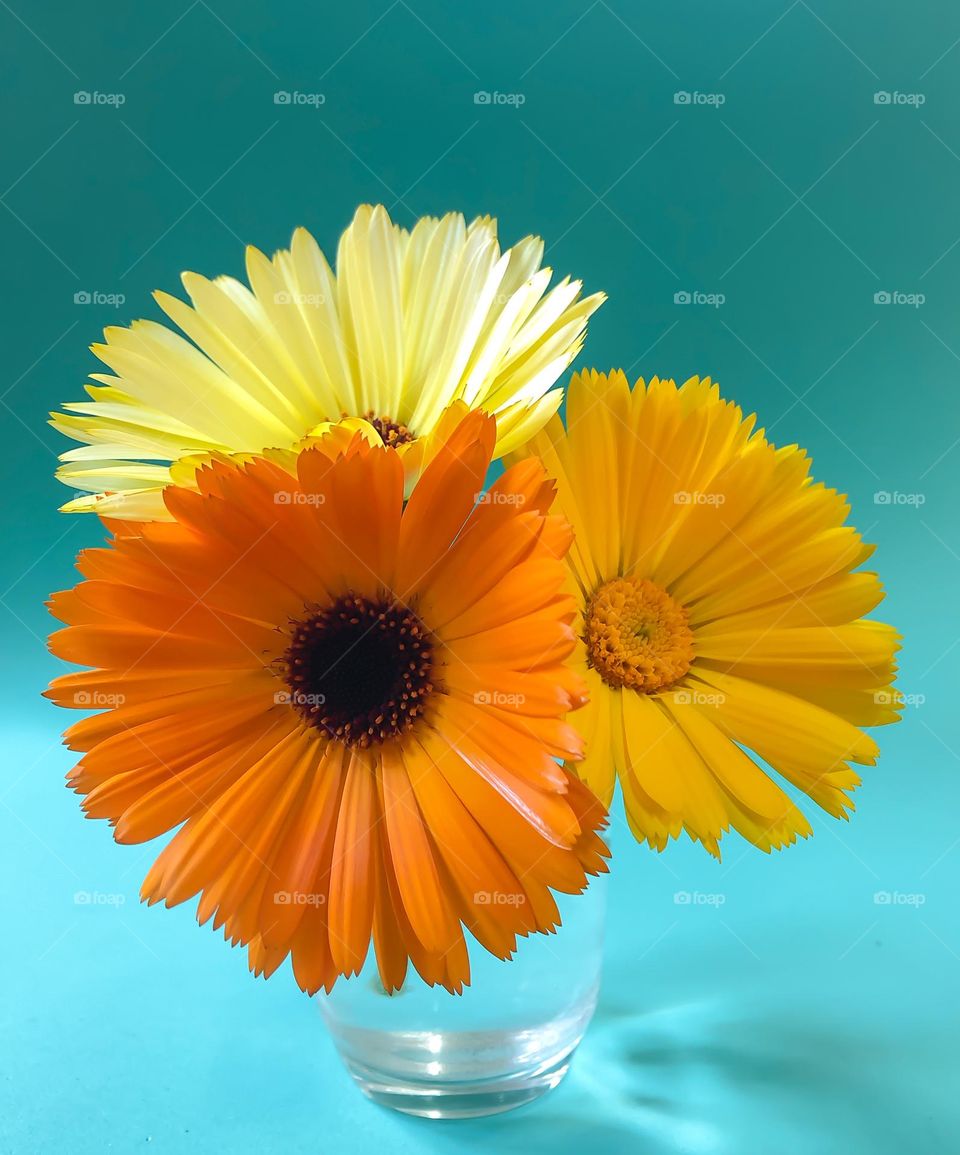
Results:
x,y
410,322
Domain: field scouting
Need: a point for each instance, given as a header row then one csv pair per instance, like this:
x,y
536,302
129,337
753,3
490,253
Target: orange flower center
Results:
x,y
637,635
360,670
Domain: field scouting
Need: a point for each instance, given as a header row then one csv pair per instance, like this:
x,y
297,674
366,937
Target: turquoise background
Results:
x,y
798,1016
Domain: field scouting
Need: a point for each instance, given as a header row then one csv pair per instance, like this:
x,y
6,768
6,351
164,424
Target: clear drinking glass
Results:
x,y
506,1040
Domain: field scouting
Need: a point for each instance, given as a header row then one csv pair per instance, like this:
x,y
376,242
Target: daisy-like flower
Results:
x,y
720,614
352,706
409,323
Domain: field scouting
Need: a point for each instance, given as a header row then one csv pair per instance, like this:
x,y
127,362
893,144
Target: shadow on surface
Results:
x,y
729,1078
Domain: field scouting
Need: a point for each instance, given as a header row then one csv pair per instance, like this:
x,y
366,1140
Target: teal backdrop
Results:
x,y
767,191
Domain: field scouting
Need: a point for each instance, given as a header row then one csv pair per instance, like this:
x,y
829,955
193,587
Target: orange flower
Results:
x,y
353,705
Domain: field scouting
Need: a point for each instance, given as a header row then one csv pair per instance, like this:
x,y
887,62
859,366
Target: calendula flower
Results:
x,y
351,706
409,323
719,614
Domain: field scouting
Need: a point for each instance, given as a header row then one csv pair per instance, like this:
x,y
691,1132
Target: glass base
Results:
x,y
507,1040
461,1074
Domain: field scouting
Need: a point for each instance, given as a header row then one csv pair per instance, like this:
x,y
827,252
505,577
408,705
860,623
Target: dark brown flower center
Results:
x,y
360,670
392,433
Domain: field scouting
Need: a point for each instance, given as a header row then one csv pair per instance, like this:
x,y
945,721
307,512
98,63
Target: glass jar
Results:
x,y
506,1040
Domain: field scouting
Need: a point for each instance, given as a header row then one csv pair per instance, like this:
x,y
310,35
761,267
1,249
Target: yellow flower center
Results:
x,y
637,635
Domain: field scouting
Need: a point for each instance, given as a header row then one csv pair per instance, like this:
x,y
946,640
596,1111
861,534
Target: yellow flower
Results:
x,y
410,323
719,614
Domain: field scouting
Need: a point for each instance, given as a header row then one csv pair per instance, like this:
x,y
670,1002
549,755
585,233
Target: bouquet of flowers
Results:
x,y
377,633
